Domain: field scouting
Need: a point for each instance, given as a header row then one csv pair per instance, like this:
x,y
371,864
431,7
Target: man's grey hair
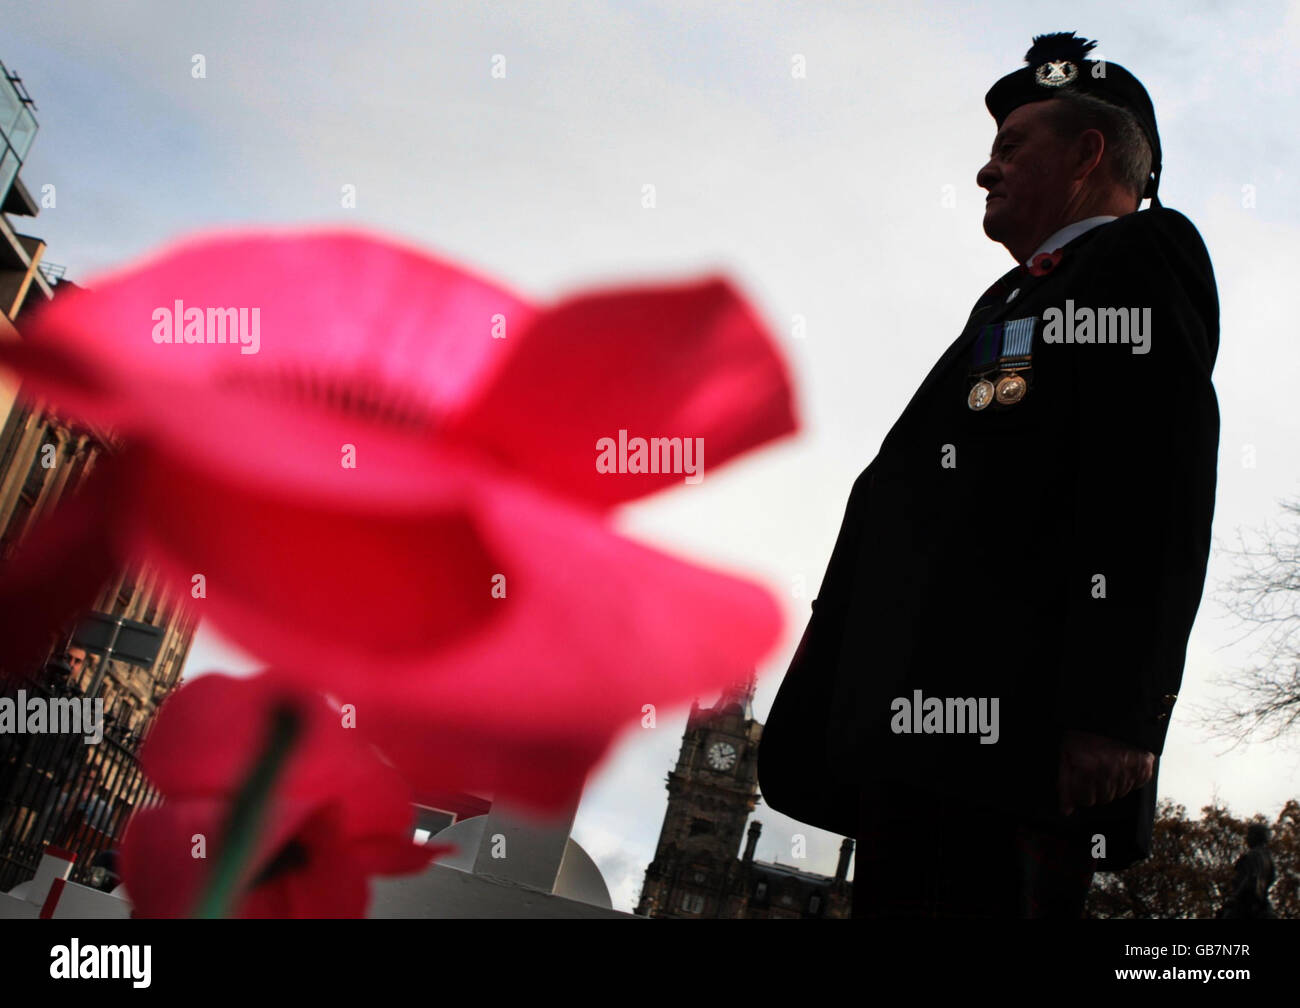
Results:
x,y
1127,149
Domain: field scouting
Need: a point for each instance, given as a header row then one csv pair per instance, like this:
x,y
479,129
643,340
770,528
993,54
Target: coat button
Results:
x,y
1162,716
1170,698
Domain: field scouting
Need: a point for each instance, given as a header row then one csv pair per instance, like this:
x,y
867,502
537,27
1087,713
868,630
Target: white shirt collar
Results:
x,y
1071,232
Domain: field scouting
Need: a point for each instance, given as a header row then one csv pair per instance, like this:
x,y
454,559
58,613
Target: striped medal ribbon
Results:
x,y
1000,363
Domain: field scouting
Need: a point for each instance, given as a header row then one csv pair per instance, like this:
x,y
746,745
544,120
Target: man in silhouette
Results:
x,y
984,686
1254,875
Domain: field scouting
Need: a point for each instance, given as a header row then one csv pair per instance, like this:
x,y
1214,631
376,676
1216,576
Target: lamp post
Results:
x,y
117,638
107,652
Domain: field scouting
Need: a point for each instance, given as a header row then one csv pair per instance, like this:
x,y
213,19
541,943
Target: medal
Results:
x,y
1009,389
980,395
1000,363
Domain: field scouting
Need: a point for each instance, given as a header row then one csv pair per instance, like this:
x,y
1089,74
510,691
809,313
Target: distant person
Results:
x,y
104,871
65,812
1254,877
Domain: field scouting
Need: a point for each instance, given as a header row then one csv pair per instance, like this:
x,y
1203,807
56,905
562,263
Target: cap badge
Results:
x,y
1055,73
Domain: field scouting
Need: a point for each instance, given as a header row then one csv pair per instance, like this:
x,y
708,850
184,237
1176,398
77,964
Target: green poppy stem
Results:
x,y
247,812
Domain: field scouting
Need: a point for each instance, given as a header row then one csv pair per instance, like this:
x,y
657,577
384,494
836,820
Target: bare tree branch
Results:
x,y
1262,595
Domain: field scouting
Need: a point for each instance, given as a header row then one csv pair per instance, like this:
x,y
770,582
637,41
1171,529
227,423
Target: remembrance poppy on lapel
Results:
x,y
1045,262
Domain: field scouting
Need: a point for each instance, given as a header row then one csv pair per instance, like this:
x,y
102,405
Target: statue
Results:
x,y
1255,874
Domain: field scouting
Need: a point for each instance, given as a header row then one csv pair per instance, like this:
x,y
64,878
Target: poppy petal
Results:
x,y
688,362
337,815
294,579
59,569
591,629
379,311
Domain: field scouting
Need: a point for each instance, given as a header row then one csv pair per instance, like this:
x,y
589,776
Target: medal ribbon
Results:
x,y
1003,346
988,347
1017,344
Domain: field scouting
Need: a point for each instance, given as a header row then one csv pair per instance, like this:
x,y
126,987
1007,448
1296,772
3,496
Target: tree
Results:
x,y
1190,871
1263,593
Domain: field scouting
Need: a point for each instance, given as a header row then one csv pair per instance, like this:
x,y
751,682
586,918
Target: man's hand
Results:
x,y
1096,770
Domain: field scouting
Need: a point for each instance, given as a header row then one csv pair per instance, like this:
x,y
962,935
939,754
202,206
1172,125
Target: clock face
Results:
x,y
722,756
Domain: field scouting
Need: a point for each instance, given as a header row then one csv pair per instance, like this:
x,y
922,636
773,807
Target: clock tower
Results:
x,y
711,792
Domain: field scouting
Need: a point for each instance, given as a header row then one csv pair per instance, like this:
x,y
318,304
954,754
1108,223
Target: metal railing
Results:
x,y
57,790
17,127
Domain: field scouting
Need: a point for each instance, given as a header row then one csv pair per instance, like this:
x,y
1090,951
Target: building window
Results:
x,y
814,904
692,903
124,596
32,487
699,876
760,890
701,827
39,471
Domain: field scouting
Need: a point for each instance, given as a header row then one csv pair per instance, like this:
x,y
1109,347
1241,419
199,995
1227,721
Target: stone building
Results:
x,y
699,869
131,648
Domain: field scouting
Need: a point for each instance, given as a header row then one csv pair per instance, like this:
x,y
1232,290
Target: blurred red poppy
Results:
x,y
397,497
337,815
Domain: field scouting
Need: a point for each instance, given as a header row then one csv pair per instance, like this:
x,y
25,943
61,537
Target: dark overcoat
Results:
x,y
1050,553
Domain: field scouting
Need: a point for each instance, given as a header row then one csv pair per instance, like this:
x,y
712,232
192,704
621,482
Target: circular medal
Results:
x,y
981,394
1010,389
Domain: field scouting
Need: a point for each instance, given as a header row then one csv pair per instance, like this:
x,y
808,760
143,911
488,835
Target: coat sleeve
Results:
x,y
1144,450
796,772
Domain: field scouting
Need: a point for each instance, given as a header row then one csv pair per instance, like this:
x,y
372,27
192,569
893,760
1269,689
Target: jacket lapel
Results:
x,y
994,306
986,310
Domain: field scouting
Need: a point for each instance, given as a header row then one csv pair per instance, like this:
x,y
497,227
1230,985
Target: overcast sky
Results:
x,y
821,196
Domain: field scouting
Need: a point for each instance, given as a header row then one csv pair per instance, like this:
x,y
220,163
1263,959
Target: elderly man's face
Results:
x,y
1028,178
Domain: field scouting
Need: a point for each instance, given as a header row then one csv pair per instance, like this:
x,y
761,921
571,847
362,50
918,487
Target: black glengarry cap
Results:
x,y
1058,62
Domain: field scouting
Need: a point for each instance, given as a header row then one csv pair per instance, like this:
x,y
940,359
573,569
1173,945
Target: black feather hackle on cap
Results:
x,y
1058,46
